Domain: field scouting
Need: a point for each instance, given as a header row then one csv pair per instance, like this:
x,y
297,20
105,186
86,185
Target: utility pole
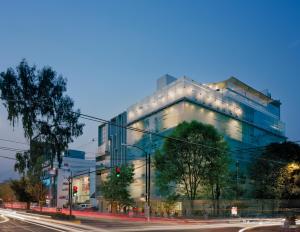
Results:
x,y
70,180
147,178
237,179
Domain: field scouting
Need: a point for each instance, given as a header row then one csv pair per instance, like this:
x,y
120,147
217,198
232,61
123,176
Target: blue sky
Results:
x,y
112,52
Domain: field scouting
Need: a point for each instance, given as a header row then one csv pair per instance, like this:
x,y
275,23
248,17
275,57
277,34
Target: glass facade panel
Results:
x,y
228,126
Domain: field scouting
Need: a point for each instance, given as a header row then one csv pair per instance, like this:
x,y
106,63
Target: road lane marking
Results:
x,y
42,225
48,222
259,226
5,219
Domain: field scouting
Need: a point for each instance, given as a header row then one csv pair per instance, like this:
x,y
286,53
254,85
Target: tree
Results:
x,y
269,171
217,174
288,181
37,190
170,203
6,192
20,189
31,164
38,99
115,189
187,166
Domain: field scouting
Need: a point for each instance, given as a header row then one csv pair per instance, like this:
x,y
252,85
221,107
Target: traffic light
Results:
x,y
118,171
75,189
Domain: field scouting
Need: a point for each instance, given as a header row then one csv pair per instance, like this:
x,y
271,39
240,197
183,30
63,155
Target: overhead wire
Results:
x,y
101,120
6,157
13,141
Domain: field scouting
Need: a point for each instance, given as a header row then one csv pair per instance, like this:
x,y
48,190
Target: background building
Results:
x,y
246,117
111,152
56,179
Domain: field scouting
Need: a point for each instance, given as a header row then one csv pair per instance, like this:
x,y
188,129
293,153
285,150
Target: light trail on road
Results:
x,y
5,219
54,225
105,225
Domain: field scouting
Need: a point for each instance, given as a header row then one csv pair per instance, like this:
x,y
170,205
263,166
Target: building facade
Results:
x,y
246,117
84,178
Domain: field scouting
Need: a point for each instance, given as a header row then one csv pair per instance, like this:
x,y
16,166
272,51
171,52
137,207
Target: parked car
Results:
x,y
85,206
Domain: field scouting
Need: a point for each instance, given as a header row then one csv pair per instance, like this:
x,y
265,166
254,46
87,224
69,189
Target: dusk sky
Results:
x,y
112,52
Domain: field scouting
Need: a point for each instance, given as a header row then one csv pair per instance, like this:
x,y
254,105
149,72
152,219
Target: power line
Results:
x,y
97,119
6,157
85,144
101,120
247,150
11,149
13,141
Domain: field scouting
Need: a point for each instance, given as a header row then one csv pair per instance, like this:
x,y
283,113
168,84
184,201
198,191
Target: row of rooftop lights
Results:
x,y
204,98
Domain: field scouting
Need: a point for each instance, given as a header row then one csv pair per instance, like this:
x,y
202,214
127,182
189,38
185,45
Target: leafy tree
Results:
x,y
217,174
188,166
115,189
170,203
37,190
6,192
38,99
288,181
269,174
20,189
33,161
31,164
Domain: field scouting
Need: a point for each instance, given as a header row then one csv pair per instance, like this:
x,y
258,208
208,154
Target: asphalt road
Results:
x,y
14,225
274,229
127,226
201,230
19,221
18,225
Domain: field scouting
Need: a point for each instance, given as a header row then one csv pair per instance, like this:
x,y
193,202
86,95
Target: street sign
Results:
x,y
234,211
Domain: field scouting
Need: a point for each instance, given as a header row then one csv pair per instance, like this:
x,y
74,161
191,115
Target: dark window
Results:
x,y
100,135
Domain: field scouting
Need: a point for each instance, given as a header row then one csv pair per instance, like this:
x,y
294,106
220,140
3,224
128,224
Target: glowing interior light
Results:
x,y
239,111
130,114
209,99
180,91
154,103
232,108
138,110
171,94
210,114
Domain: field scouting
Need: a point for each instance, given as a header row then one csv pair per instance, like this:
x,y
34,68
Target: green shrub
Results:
x,y
62,216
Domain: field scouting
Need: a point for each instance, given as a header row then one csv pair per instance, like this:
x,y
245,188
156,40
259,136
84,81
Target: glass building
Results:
x,y
246,117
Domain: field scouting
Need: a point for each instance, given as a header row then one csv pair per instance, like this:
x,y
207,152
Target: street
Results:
x,y
19,221
15,225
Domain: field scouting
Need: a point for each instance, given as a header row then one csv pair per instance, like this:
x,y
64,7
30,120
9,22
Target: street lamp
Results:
x,y
147,176
237,165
